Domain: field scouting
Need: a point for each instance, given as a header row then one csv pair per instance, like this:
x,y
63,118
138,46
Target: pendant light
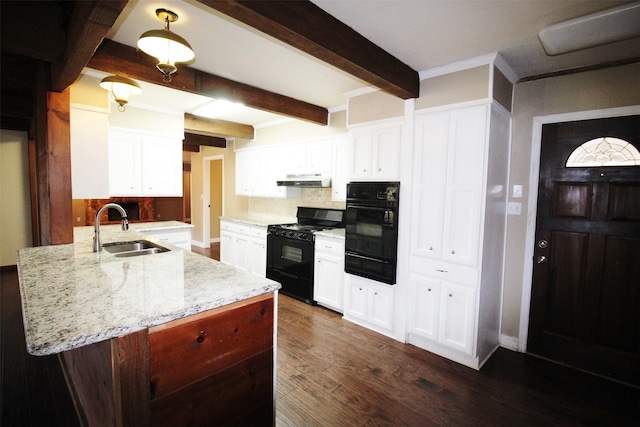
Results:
x,y
121,88
166,46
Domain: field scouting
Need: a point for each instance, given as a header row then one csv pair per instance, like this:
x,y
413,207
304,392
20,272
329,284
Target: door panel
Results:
x,y
585,297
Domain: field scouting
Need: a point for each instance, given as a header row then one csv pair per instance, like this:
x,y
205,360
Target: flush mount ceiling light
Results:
x,y
122,88
596,29
166,46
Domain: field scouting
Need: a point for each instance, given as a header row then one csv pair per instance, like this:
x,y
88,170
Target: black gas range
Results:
x,y
290,249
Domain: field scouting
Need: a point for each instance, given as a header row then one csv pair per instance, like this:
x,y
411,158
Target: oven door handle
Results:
x,y
382,261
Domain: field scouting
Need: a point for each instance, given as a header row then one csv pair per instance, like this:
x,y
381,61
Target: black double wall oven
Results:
x,y
290,250
371,233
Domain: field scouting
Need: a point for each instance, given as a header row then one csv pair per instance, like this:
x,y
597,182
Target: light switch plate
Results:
x,y
517,191
514,208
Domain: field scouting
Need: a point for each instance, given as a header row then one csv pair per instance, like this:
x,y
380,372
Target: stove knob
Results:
x,y
291,233
303,236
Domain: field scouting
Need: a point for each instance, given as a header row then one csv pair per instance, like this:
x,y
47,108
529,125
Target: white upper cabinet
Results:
x,y
89,150
161,166
251,170
125,178
374,152
448,178
340,170
144,165
319,157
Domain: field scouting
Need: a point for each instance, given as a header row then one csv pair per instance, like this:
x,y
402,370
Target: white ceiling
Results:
x,y
424,34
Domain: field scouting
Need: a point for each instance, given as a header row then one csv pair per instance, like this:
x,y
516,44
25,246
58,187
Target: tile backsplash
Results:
x,y
309,197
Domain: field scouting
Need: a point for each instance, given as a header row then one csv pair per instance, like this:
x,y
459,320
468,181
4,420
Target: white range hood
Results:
x,y
315,180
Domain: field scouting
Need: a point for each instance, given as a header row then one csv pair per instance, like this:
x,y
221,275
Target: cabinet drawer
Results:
x,y
186,351
171,236
258,232
455,273
330,246
234,227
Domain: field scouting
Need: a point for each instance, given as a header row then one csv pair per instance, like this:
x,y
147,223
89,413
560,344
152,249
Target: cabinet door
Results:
x,y
243,173
457,317
340,170
124,164
429,180
425,306
89,154
161,166
258,251
360,154
328,280
227,248
243,252
467,136
380,306
386,151
258,173
319,156
356,304
295,159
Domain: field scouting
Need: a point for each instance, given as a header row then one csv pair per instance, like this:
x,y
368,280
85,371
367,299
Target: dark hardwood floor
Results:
x,y
333,373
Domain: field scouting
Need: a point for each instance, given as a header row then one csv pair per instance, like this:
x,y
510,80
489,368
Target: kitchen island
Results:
x,y
172,338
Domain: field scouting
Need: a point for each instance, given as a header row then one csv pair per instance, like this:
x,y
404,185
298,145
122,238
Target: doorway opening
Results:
x,y
213,198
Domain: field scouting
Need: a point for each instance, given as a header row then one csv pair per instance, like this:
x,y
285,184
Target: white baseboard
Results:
x,y
197,243
512,343
215,240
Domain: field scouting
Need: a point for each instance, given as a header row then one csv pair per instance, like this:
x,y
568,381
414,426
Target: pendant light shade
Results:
x,y
121,88
168,47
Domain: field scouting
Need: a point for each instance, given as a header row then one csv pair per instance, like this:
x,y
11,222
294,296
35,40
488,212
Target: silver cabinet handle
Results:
x,y
541,259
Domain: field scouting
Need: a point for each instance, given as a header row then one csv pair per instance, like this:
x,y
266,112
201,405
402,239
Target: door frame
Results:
x,y
206,197
532,201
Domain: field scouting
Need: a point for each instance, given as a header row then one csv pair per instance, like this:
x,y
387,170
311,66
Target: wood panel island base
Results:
x,y
213,368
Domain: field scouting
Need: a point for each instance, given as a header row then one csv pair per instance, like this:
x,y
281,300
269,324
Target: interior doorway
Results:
x,y
213,203
585,294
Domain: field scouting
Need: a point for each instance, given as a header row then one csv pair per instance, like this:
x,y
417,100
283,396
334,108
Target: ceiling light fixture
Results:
x,y
166,46
122,88
596,29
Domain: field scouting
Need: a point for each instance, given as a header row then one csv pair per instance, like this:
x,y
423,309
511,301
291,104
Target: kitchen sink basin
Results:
x,y
134,248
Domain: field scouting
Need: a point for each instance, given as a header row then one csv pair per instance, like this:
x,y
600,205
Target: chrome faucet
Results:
x,y
97,245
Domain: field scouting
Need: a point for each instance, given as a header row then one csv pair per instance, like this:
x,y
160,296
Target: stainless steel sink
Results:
x,y
134,248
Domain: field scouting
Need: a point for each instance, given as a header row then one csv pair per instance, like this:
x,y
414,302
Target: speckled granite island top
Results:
x,y
73,297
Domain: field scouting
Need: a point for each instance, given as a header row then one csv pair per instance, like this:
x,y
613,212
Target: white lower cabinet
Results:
x,y
329,273
244,246
444,312
180,237
369,304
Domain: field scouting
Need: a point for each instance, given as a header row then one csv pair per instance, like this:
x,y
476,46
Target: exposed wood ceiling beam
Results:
x,y
88,26
305,26
215,127
117,58
195,139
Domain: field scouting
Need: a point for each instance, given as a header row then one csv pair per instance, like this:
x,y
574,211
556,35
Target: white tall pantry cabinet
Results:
x,y
458,217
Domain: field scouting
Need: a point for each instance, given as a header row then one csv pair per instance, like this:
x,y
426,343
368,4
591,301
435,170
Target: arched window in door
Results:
x,y
604,151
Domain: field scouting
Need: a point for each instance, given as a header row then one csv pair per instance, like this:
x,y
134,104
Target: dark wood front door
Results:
x,y
585,300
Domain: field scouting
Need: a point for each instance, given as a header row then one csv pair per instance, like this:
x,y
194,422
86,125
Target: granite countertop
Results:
x,y
334,232
260,220
73,297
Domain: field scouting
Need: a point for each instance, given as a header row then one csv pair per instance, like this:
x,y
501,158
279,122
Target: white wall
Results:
x,y
15,209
